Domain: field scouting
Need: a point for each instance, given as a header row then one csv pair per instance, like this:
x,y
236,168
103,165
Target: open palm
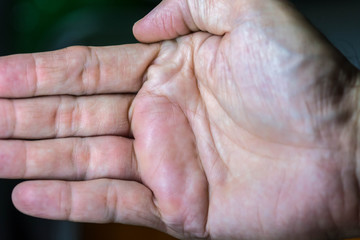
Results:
x,y
243,131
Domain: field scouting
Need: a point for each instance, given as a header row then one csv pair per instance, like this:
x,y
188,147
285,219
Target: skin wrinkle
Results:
x,y
196,52
169,23
184,8
86,150
64,196
212,146
112,204
72,160
75,113
190,10
188,20
81,158
84,73
123,67
150,67
129,117
67,72
196,152
155,203
244,108
14,118
118,69
98,64
70,200
25,160
85,82
195,114
28,78
134,165
127,120
36,78
57,118
211,124
155,212
164,21
80,72
196,9
210,67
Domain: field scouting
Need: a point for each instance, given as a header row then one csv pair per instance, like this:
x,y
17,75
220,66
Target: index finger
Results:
x,y
76,71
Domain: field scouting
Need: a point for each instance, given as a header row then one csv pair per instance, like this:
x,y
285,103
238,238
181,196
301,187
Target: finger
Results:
x,y
173,18
69,159
65,116
97,201
76,71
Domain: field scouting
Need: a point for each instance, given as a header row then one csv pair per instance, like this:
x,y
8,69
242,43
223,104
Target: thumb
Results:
x,y
277,19
173,18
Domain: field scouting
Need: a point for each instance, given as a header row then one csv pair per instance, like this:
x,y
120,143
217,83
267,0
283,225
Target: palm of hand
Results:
x,y
233,144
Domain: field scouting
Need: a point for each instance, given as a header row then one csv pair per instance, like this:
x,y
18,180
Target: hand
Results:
x,y
244,129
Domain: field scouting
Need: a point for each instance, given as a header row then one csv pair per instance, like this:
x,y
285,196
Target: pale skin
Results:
x,y
236,120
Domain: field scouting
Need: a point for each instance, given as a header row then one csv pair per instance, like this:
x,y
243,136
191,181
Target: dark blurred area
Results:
x,y
41,25
339,21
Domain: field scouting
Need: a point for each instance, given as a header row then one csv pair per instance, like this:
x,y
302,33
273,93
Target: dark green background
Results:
x,y
38,25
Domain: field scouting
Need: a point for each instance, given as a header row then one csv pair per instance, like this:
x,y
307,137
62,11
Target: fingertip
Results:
x,y
23,197
146,30
140,34
166,21
142,29
36,198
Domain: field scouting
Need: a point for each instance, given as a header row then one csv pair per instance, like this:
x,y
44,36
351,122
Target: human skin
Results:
x,y
236,120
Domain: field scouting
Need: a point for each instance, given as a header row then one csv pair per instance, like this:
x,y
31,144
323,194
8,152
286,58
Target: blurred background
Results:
x,y
42,25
